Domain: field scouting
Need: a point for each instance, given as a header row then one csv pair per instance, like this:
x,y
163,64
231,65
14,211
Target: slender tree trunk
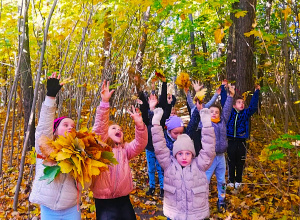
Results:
x,y
240,56
106,73
30,123
192,39
26,76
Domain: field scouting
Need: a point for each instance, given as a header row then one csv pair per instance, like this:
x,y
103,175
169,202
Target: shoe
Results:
x,y
221,206
150,192
237,185
230,185
161,193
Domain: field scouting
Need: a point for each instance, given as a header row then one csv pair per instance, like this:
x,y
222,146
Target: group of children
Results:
x,y
185,158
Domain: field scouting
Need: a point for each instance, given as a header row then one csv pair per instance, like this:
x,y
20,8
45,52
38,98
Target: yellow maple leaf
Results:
x,y
62,155
65,166
240,14
286,12
219,34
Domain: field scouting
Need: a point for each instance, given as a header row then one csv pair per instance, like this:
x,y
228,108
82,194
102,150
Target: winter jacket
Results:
x,y
238,123
117,181
62,192
186,189
221,128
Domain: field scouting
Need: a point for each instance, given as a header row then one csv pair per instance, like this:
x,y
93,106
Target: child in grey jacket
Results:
x,y
185,182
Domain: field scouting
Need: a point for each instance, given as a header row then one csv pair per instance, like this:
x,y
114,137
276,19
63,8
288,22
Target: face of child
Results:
x,y
115,133
175,132
239,105
173,112
214,112
184,157
66,125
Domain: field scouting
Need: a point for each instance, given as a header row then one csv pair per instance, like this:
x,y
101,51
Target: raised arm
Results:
x,y
228,105
253,107
136,146
190,100
212,100
144,107
102,114
193,123
208,140
162,101
223,92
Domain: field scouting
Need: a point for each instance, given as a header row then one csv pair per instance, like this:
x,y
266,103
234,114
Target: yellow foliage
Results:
x,y
240,14
183,80
78,153
200,95
286,12
219,34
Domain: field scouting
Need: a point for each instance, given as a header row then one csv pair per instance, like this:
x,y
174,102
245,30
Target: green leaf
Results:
x,y
50,172
277,155
114,86
109,156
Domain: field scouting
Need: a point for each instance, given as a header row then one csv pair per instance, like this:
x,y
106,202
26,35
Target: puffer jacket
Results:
x,y
221,127
186,189
62,192
117,181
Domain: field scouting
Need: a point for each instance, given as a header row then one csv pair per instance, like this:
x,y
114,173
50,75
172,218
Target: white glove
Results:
x,y
158,113
205,117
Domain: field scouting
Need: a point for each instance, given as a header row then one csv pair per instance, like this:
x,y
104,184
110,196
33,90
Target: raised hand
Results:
x,y
225,83
152,101
218,91
53,85
136,116
205,117
257,87
158,113
197,86
105,93
169,99
231,90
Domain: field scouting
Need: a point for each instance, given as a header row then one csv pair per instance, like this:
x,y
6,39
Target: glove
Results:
x,y
53,87
205,117
158,113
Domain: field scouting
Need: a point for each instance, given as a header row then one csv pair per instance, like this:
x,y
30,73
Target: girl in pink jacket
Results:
x,y
111,188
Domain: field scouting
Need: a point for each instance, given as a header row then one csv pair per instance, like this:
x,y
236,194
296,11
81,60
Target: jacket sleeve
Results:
x,y
207,153
162,102
101,121
223,95
193,123
45,124
212,100
144,108
136,146
162,152
166,115
190,100
253,107
227,109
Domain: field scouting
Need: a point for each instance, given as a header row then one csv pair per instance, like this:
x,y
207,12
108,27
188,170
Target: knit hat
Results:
x,y
183,142
57,122
173,122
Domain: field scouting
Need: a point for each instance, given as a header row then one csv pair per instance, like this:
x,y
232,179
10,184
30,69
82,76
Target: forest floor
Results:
x,y
265,193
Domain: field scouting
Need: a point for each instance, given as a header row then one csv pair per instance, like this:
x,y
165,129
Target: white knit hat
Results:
x,y
183,142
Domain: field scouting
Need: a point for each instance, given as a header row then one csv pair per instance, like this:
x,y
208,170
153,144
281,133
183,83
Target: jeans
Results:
x,y
152,163
236,152
114,209
65,214
219,167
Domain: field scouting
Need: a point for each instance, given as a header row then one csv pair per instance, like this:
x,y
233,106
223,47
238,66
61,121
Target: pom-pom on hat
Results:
x,y
173,122
57,122
200,95
183,142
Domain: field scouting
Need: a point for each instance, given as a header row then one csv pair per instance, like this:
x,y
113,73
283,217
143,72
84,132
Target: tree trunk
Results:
x,y
240,56
106,73
192,39
26,76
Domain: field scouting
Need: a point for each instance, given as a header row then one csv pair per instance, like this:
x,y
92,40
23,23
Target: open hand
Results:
x,y
136,116
197,86
169,99
105,93
257,87
53,85
152,101
231,90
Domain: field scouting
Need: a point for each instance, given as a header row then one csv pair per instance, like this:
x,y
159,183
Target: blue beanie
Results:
x,y
173,122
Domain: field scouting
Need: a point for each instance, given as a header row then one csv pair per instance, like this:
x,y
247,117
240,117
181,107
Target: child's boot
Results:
x,y
150,192
221,206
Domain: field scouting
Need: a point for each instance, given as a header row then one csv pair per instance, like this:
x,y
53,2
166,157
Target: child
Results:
x,y
219,121
185,182
111,188
237,133
58,200
165,101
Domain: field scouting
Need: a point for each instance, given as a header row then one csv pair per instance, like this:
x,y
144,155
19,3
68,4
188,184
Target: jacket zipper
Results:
x,y
116,177
234,131
59,194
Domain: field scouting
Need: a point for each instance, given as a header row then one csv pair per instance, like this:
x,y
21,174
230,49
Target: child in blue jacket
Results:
x,y
237,133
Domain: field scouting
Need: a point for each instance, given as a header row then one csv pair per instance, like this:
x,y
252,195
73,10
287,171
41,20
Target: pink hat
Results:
x,y
57,122
173,122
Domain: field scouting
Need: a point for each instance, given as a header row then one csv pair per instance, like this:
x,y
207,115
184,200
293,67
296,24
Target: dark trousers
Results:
x,y
114,209
236,152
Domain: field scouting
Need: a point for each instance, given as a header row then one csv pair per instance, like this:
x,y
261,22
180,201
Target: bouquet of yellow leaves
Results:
x,y
160,74
183,80
82,154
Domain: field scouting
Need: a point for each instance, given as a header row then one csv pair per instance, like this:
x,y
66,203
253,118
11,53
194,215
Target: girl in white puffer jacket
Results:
x,y
59,199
